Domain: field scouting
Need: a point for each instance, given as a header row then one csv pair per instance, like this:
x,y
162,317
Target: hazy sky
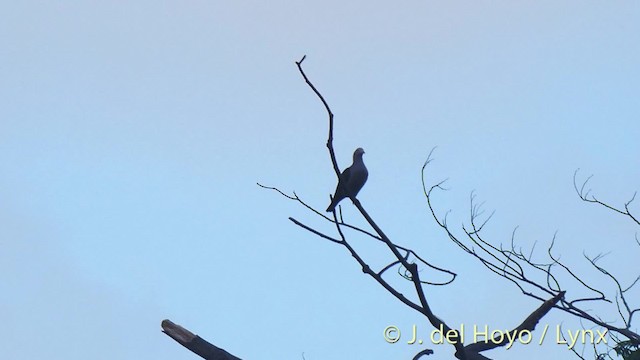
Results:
x,y
132,135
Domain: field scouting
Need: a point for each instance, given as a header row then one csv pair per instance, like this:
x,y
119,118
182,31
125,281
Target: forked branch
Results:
x,y
524,272
402,254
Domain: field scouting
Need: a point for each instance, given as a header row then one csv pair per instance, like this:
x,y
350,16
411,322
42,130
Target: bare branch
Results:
x,y
409,251
388,267
195,343
513,265
528,324
329,113
585,196
378,277
395,250
314,231
422,353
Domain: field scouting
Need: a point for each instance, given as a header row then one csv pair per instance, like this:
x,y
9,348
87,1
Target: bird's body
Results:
x,y
351,180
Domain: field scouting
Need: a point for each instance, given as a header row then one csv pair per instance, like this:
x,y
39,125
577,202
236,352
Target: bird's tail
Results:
x,y
334,203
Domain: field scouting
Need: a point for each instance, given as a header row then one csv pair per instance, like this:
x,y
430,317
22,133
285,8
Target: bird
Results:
x,y
351,180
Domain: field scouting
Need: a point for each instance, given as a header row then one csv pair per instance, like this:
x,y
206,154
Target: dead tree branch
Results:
x,y
521,270
402,259
586,196
402,255
195,343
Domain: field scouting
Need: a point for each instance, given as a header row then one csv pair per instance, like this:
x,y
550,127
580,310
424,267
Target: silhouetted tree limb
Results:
x,y
329,113
586,196
529,324
422,353
408,253
523,271
195,343
402,257
508,263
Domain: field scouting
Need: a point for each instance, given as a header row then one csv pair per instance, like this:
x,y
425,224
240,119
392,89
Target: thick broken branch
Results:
x,y
195,343
528,324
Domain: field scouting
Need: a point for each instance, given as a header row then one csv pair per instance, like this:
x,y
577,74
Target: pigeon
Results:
x,y
351,180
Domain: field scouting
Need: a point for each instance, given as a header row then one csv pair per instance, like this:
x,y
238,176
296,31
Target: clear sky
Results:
x,y
132,135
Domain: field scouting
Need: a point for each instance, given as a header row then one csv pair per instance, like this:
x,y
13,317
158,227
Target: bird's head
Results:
x,y
358,153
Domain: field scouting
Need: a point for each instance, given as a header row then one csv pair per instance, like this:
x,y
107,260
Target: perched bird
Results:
x,y
351,180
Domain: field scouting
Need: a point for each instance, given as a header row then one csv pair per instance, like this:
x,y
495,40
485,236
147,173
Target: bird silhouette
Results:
x,y
351,180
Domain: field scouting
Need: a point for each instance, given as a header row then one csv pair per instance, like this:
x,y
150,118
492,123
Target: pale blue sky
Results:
x,y
132,135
